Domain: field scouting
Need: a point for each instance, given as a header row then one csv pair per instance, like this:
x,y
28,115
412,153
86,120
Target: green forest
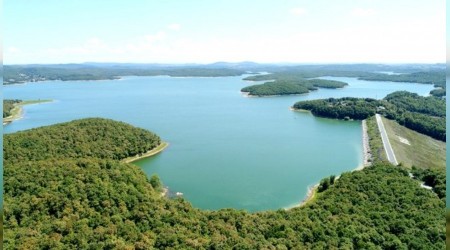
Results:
x,y
29,73
94,137
425,115
65,188
276,88
426,73
415,103
341,108
291,87
435,77
8,105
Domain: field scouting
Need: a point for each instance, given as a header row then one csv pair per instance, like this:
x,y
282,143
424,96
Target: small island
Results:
x,y
291,87
13,109
275,88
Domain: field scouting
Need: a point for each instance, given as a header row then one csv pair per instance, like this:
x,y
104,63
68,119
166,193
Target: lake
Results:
x,y
226,150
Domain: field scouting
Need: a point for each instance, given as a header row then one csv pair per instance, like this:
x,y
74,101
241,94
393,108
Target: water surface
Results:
x,y
225,150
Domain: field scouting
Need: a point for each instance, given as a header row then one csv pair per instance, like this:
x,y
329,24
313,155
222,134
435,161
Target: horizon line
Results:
x,y
230,62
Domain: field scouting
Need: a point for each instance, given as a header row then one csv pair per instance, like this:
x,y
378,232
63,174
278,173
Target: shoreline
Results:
x,y
17,111
367,155
118,78
247,94
299,110
312,190
318,116
163,145
310,194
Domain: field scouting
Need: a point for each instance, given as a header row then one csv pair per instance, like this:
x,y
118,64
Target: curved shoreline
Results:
x,y
310,194
300,110
312,190
163,145
17,111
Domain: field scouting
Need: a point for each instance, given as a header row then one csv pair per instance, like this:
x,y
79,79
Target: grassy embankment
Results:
x,y
412,148
375,142
16,112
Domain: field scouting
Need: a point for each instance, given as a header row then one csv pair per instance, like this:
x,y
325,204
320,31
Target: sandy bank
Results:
x,y
17,111
152,152
310,194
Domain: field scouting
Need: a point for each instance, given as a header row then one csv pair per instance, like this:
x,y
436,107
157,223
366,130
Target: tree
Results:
x,y
156,182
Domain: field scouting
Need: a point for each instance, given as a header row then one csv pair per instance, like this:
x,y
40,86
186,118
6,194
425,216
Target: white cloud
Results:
x,y
159,36
363,12
297,11
13,50
368,43
174,26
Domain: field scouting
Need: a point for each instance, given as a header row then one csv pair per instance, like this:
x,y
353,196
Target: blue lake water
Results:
x,y
226,150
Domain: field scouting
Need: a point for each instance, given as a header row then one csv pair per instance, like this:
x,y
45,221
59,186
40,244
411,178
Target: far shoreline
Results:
x,y
120,77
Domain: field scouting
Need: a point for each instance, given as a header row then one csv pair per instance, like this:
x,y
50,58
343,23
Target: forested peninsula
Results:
x,y
435,77
414,73
425,115
12,108
65,188
14,74
8,106
300,73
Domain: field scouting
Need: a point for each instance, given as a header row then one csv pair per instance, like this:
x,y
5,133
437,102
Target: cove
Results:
x,y
225,150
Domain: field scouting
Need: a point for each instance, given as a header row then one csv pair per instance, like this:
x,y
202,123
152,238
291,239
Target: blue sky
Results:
x,y
201,31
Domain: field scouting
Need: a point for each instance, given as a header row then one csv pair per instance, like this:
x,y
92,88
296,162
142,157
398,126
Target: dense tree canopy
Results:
x,y
328,84
438,92
291,87
432,76
413,102
434,177
94,137
425,115
435,77
275,88
342,108
71,199
34,73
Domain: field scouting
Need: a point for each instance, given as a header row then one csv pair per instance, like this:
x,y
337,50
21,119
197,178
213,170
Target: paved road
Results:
x,y
387,145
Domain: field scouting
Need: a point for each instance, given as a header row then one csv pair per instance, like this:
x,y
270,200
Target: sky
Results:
x,y
206,31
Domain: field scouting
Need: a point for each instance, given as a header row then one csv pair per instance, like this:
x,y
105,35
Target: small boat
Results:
x,y
179,193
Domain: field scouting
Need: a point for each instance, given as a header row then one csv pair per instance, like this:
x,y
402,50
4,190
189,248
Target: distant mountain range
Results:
x,y
111,70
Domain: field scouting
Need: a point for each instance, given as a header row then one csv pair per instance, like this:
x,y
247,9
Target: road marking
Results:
x,y
386,144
